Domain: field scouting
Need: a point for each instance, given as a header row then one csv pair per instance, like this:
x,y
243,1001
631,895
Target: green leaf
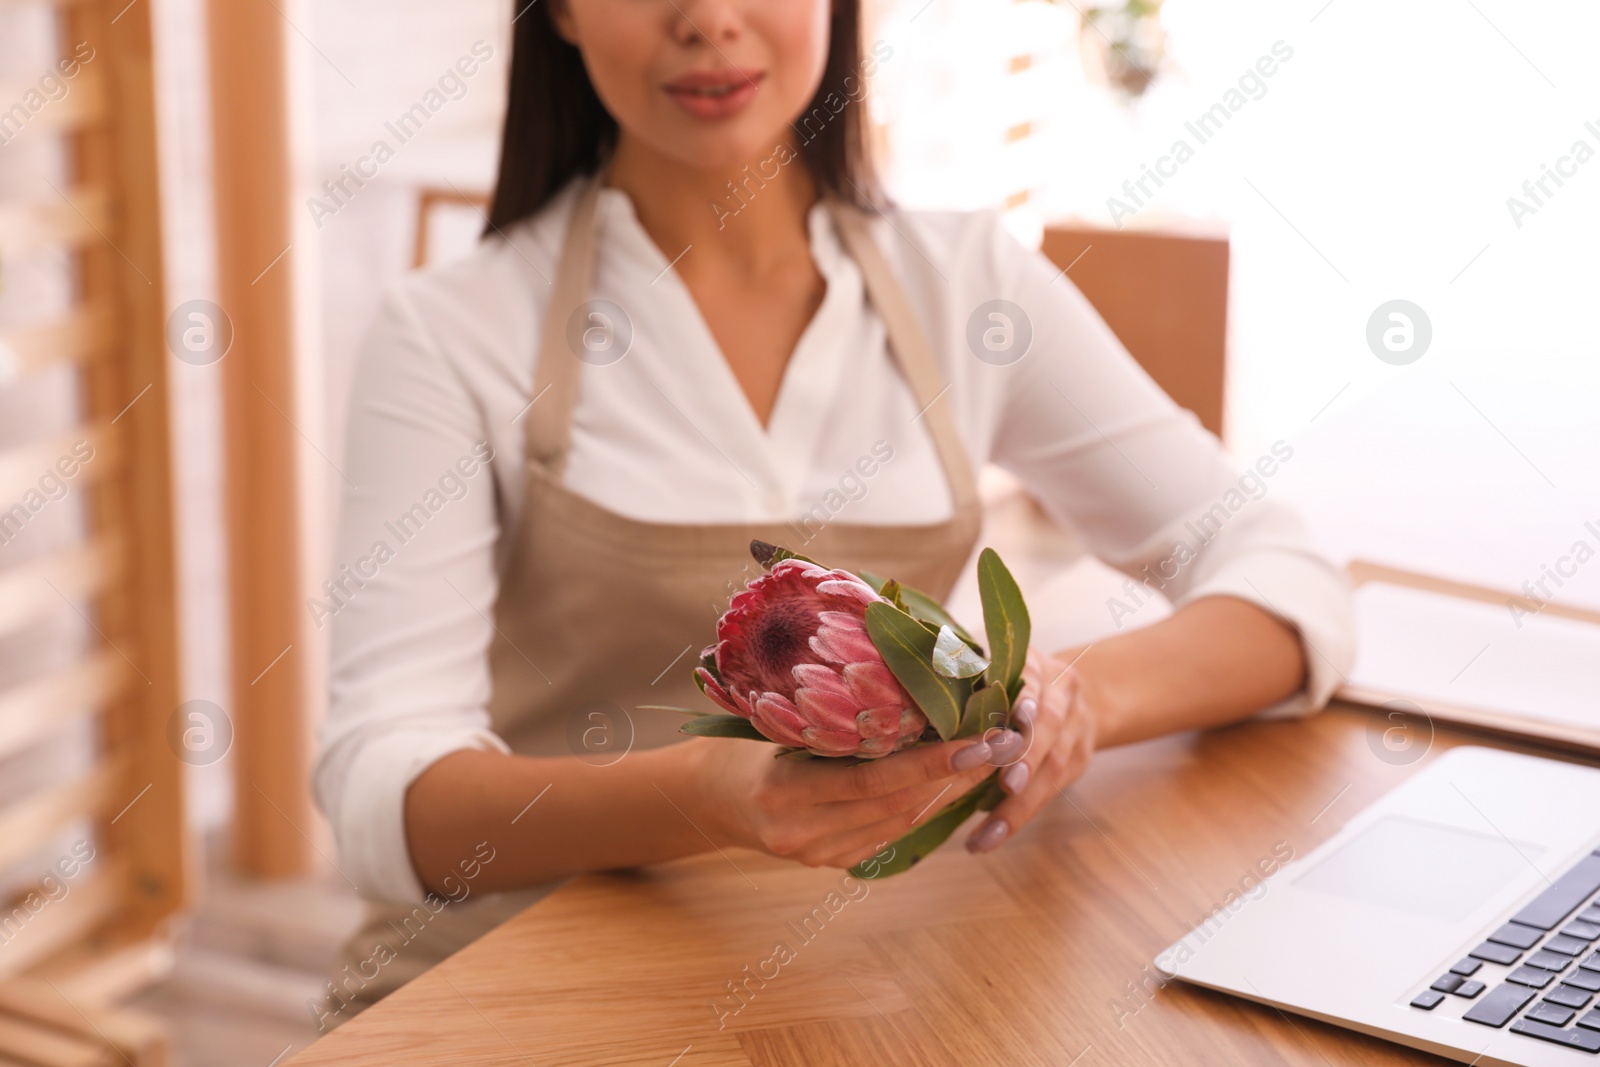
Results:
x,y
986,707
708,660
1005,617
908,650
921,606
723,726
770,555
669,707
954,658
890,591
912,848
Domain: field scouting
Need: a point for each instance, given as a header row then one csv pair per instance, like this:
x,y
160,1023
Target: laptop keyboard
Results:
x,y
1553,949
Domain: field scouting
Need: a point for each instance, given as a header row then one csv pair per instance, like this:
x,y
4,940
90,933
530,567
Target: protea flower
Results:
x,y
793,656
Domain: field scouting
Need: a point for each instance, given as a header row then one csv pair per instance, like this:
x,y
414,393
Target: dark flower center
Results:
x,y
779,640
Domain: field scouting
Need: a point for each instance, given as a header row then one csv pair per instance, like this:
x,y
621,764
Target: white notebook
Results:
x,y
1470,661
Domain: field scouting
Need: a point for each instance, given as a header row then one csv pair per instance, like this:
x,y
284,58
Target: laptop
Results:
x,y
1460,914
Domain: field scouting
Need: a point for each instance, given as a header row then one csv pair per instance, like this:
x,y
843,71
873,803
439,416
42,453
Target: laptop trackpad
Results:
x,y
1421,868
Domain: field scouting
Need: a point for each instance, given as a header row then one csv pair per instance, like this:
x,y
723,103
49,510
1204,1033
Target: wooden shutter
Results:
x,y
89,675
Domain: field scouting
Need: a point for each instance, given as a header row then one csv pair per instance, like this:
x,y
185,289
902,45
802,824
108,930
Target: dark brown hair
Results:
x,y
556,127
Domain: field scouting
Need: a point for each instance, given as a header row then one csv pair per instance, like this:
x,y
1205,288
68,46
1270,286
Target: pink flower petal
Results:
x,y
872,684
829,710
821,678
838,645
855,590
880,722
718,694
874,747
831,742
778,719
843,620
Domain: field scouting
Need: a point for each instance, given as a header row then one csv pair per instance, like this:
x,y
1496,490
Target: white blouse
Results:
x,y
665,434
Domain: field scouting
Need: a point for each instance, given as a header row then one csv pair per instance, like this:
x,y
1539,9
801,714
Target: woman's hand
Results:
x,y
1058,738
826,813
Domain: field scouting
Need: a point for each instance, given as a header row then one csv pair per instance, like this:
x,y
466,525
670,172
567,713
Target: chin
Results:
x,y
722,151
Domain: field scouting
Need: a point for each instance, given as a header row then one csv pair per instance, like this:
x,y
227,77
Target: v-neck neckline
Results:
x,y
813,373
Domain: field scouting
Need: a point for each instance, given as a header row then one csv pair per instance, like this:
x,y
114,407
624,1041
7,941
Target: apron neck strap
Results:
x,y
549,415
909,343
555,385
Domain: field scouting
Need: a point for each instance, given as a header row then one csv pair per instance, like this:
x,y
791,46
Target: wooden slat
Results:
x,y
36,589
70,219
74,338
22,467
82,107
33,1043
134,1037
1021,131
30,824
45,706
100,974
138,613
95,897
432,197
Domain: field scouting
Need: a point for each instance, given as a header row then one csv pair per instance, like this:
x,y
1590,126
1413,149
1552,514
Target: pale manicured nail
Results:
x,y
1027,708
1015,778
1005,747
988,839
971,756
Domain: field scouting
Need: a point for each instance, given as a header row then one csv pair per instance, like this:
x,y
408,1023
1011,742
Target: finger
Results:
x,y
850,815
853,847
1066,761
1030,677
1033,679
1010,744
849,826
1040,721
890,774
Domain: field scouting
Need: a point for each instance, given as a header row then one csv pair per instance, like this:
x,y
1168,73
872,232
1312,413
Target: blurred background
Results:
x,y
197,223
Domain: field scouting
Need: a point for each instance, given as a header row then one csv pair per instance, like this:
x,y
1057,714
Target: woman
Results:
x,y
692,315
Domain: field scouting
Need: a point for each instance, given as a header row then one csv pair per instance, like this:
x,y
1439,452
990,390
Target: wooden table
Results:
x,y
1037,954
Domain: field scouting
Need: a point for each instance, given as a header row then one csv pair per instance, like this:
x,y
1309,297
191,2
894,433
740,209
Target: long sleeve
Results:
x,y
411,600
1151,491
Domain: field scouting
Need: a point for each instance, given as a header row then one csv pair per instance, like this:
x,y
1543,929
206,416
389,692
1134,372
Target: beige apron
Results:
x,y
599,613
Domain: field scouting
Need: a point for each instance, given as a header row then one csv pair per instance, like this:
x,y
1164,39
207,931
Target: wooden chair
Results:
x,y
1165,295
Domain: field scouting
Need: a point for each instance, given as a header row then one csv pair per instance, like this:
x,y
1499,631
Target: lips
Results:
x,y
715,94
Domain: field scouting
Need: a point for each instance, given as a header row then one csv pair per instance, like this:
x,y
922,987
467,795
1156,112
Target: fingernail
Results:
x,y
1027,708
971,756
1007,746
1015,778
988,839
